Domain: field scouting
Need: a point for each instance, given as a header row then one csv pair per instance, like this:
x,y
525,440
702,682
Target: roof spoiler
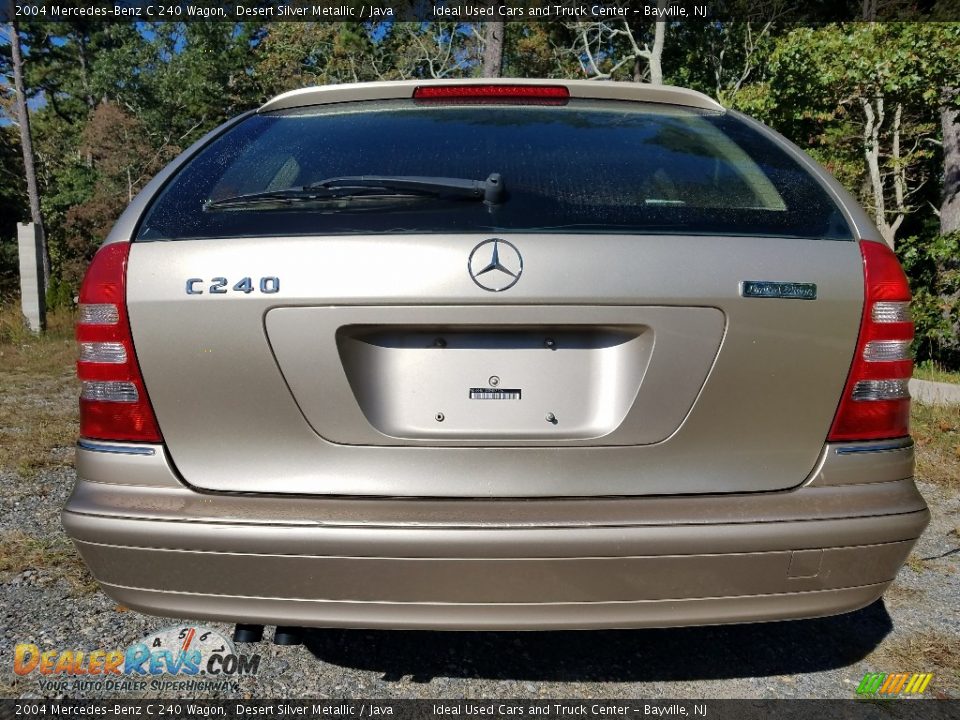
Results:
x,y
588,89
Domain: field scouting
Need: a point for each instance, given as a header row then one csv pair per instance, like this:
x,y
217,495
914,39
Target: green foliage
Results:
x,y
530,50
199,75
13,208
726,60
828,87
113,102
935,372
829,83
297,54
60,294
933,266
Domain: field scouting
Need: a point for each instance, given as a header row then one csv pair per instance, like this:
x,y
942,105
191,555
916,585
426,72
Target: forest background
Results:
x,y
111,103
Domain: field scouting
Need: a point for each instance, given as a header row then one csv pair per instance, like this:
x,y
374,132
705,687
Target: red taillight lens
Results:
x,y
113,400
538,94
876,402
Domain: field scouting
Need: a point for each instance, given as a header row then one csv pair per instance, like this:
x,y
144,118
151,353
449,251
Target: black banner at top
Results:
x,y
474,10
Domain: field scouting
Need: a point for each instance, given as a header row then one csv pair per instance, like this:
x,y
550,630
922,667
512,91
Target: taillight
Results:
x,y
529,94
113,400
876,401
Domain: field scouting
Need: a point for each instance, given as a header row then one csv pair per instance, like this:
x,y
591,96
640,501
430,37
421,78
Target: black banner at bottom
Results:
x,y
856,709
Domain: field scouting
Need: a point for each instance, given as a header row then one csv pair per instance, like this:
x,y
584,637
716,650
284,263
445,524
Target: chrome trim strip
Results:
x,y
885,447
94,446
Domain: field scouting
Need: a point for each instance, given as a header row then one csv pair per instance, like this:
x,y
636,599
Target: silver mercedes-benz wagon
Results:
x,y
494,354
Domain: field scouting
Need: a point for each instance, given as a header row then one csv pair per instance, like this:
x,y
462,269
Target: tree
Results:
x,y
26,144
123,161
74,65
198,75
299,54
942,64
861,95
608,49
433,50
13,205
950,125
727,60
293,55
493,33
533,50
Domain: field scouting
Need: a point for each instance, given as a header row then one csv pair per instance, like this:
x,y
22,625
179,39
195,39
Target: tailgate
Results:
x,y
617,364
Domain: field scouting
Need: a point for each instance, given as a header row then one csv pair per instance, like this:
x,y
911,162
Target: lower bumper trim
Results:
x,y
477,580
512,616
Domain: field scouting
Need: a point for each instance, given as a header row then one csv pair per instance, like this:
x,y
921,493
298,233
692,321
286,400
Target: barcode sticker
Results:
x,y
494,393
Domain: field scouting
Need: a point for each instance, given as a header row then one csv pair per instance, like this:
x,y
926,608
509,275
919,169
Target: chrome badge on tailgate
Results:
x,y
787,290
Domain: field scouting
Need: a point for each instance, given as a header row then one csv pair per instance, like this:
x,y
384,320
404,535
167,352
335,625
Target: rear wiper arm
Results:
x,y
491,190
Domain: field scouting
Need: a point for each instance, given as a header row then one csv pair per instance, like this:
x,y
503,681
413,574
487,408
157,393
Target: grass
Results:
x,y
922,652
38,390
20,552
936,431
900,595
38,429
929,370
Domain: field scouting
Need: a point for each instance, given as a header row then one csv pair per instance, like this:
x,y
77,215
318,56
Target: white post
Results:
x,y
32,291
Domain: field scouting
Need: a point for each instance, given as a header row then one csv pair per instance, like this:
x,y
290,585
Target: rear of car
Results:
x,y
522,354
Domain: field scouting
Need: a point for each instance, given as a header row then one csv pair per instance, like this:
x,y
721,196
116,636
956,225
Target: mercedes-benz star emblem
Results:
x,y
495,265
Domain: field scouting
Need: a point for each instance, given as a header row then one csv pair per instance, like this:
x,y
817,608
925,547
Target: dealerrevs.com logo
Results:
x,y
181,657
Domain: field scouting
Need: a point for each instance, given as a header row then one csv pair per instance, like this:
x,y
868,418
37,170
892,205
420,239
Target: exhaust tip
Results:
x,y
248,633
288,635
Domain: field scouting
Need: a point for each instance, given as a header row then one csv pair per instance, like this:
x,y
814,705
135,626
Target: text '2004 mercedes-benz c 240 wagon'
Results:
x,y
510,355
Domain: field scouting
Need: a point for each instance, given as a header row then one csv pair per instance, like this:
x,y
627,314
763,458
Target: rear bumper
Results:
x,y
824,548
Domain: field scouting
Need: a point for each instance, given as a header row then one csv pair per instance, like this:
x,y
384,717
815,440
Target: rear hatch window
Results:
x,y
585,166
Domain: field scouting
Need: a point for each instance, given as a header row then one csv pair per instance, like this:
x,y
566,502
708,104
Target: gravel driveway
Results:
x,y
916,628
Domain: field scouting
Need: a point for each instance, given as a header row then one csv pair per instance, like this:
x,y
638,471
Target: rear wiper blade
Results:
x,y
491,190
360,187
289,196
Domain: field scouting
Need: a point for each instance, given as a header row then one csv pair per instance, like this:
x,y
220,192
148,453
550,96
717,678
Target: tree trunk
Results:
x,y
26,143
950,209
656,55
493,49
873,110
85,71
